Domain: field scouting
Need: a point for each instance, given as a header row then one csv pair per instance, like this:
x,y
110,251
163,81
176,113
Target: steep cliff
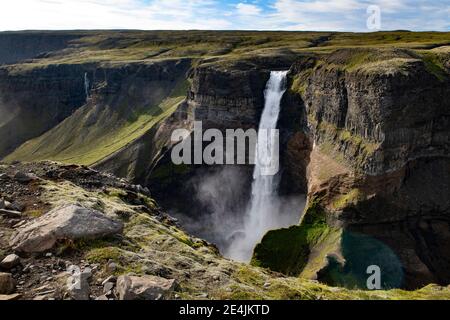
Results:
x,y
378,176
35,100
19,46
122,103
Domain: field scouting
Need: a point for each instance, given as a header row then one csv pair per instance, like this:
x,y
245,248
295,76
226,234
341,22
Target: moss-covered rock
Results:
x,y
288,250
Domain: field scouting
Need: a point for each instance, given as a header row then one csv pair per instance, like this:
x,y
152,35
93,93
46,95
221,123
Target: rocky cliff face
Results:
x,y
378,176
34,101
230,98
118,104
19,46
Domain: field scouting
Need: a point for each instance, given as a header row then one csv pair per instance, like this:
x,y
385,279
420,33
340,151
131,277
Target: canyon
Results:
x,y
364,140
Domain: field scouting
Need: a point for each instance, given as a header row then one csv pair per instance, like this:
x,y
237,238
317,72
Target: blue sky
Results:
x,y
336,15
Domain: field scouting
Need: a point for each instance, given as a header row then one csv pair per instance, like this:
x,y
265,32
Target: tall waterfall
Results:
x,y
265,211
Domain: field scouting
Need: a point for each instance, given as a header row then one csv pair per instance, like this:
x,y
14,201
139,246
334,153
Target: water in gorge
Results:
x,y
265,211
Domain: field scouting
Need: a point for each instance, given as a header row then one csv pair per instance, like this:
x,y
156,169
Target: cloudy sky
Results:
x,y
339,15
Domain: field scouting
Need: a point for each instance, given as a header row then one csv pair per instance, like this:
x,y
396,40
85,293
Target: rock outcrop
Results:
x,y
70,222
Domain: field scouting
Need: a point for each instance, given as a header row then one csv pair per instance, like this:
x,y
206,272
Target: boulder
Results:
x,y
144,288
24,177
71,222
7,283
10,262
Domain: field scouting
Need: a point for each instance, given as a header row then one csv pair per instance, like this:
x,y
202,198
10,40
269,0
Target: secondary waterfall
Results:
x,y
86,85
265,209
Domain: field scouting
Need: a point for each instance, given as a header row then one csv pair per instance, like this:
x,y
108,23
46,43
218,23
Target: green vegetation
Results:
x,y
350,198
434,63
287,250
90,140
112,47
338,137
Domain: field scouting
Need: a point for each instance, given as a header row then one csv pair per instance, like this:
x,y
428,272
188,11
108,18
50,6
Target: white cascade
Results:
x,y
263,213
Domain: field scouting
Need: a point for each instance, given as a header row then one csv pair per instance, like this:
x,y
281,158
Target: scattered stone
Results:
x,y
3,176
7,283
144,288
10,262
10,297
102,298
112,279
203,296
49,255
27,268
267,285
78,285
67,222
108,287
87,272
10,213
21,223
16,206
111,267
24,177
2,204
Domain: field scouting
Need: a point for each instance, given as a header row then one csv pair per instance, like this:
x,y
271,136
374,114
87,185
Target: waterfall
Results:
x,y
86,85
265,209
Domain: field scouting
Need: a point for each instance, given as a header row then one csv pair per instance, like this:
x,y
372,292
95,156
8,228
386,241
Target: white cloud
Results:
x,y
113,14
338,15
248,9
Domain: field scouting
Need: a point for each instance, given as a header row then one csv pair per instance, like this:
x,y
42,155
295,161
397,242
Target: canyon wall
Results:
x,y
118,104
364,132
378,175
19,46
33,101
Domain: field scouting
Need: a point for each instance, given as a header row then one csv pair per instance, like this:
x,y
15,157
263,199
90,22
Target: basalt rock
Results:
x,y
70,222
